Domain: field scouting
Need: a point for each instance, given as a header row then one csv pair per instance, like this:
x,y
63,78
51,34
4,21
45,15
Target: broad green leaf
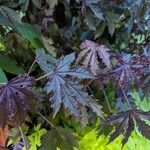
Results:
x,y
59,137
3,77
10,18
30,33
111,22
136,96
49,141
8,65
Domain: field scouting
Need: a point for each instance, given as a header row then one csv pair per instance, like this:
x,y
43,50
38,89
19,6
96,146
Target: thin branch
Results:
x,y
126,98
47,120
107,101
90,82
44,76
23,138
91,92
31,67
105,96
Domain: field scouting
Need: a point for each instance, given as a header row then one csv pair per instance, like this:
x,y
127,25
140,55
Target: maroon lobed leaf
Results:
x,y
126,71
15,99
125,124
65,90
91,52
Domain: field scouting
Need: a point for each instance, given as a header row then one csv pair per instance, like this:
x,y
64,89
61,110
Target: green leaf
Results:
x,y
100,30
59,137
90,21
35,137
141,103
2,45
49,141
15,136
136,96
94,6
111,22
3,77
10,18
30,33
97,11
8,65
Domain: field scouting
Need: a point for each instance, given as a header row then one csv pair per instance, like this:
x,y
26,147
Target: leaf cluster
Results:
x,y
67,64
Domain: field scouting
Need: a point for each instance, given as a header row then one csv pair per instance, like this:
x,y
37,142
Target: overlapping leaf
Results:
x,y
65,90
125,124
90,53
15,100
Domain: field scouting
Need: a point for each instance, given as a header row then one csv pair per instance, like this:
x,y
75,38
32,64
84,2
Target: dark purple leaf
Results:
x,y
126,71
143,128
15,99
124,122
65,90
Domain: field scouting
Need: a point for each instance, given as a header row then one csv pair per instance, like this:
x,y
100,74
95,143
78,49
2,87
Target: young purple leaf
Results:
x,y
90,53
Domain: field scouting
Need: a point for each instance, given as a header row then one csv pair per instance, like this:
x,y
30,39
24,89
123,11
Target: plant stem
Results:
x,y
105,96
44,76
107,101
126,98
91,92
46,120
89,82
30,69
23,138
